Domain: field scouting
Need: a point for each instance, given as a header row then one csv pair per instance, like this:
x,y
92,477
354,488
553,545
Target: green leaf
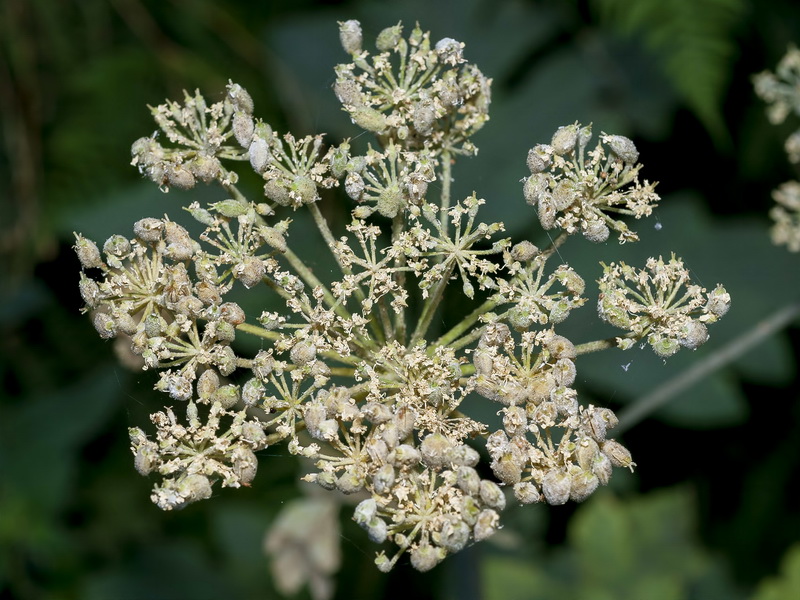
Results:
x,y
694,42
786,586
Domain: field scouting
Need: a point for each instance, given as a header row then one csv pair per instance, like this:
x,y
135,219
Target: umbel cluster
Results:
x,y
355,374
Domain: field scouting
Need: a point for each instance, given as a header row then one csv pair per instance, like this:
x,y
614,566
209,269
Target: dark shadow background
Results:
x,y
709,512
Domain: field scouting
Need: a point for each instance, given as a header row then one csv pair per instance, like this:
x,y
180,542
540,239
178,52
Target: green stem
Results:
x,y
595,346
445,199
555,244
400,277
431,304
466,323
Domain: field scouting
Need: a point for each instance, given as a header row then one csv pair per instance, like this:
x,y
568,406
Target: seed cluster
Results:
x,y
354,373
781,92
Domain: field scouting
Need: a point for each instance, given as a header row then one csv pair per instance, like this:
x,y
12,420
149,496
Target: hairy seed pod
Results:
x,y
582,485
491,495
618,454
622,147
405,454
240,98
463,456
454,535
556,486
719,301
263,363
540,157
383,479
486,524
426,556
105,325
350,36
377,413
303,353
350,482
260,155
524,251
252,392
369,119
243,128
148,230
88,253
693,335
435,449
250,271
389,38
145,458
507,469
602,468
595,231
227,396
244,464
526,493
564,139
